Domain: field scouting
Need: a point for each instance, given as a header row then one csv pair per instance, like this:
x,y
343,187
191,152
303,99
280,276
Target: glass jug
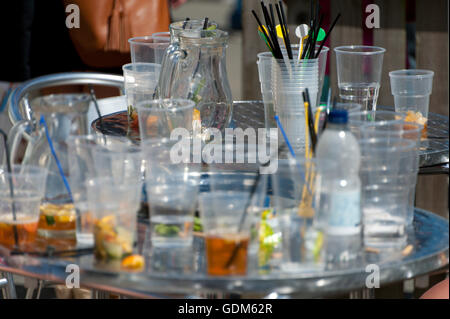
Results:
x,y
64,114
194,68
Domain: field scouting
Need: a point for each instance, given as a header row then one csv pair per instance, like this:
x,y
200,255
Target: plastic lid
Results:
x,y
338,117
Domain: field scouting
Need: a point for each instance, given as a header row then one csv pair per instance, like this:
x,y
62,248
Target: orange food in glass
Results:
x,y
26,228
57,217
417,117
219,251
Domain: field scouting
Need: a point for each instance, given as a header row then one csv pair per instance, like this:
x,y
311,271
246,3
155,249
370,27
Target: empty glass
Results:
x,y
409,131
148,49
359,71
411,90
386,172
21,192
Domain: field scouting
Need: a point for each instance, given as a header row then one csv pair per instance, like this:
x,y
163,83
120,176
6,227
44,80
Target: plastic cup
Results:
x,y
411,90
121,161
161,37
158,118
386,174
114,207
359,71
233,193
295,186
148,49
375,118
19,214
171,182
349,107
81,168
141,81
408,131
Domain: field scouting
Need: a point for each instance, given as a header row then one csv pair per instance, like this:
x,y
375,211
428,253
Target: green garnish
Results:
x,y
198,227
50,220
167,230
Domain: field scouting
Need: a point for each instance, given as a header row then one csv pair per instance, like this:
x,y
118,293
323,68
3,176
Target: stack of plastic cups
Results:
x,y
289,81
265,77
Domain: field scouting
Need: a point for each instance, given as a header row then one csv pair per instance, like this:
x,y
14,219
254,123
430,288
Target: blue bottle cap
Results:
x,y
338,117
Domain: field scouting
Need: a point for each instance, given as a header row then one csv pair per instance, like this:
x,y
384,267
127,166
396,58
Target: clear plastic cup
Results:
x,y
161,37
228,234
81,168
375,118
349,107
148,49
386,173
408,131
19,209
411,90
119,161
295,188
158,118
294,124
359,71
141,81
172,186
114,207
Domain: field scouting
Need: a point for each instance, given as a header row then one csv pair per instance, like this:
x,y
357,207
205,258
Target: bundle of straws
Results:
x,y
268,32
307,50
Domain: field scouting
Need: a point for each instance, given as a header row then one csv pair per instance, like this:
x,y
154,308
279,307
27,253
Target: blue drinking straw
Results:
x,y
52,149
291,150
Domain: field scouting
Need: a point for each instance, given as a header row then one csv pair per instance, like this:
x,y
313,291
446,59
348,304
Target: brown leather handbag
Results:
x,y
106,25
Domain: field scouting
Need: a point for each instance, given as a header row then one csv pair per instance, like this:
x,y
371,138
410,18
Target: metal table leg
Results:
x,y
8,288
366,293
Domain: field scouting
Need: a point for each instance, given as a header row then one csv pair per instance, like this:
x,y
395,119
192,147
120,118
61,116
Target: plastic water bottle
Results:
x,y
339,211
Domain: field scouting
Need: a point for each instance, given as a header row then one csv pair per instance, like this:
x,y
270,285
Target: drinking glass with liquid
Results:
x,y
359,71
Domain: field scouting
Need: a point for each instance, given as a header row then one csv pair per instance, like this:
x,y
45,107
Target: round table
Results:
x,y
429,240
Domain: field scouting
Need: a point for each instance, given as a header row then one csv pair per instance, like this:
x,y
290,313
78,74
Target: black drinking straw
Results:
x,y
312,132
272,16
328,34
285,24
284,31
185,22
312,52
263,30
11,188
244,215
272,31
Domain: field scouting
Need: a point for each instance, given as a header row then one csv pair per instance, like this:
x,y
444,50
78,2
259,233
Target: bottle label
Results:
x,y
345,210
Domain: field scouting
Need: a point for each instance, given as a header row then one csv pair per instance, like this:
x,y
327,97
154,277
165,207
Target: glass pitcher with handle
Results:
x,y
194,68
64,114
